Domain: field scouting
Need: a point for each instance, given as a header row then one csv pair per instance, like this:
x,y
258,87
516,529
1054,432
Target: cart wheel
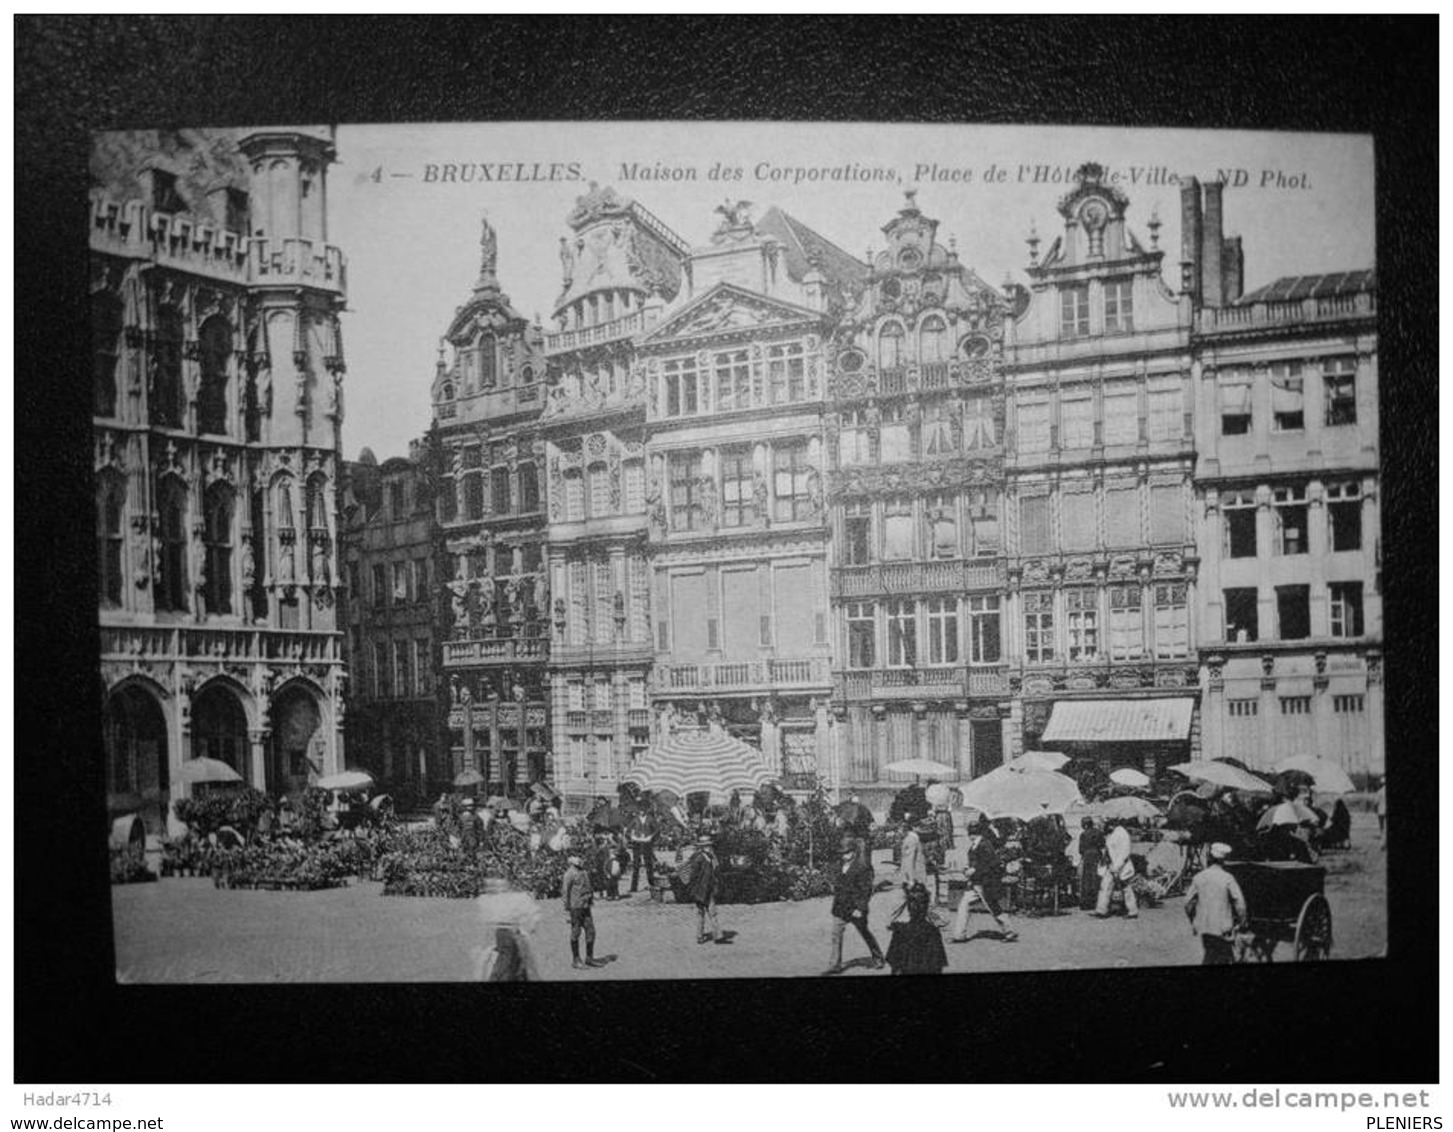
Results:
x,y
1314,929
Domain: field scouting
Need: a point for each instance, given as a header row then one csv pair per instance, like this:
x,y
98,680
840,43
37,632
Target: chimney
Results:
x,y
1233,269
1212,293
1191,237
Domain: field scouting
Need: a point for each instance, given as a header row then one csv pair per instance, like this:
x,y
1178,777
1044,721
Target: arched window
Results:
x,y
474,495
447,393
166,362
933,340
110,541
105,336
487,374
284,506
529,488
217,534
318,505
890,346
499,490
216,352
171,590
448,500
599,479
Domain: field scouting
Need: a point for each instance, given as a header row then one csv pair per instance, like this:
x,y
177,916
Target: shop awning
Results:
x,y
1114,721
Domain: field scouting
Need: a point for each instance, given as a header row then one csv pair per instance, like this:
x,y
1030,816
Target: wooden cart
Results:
x,y
1284,903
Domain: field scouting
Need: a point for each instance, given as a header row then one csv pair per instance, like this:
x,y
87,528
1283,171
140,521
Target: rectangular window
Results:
x,y
380,586
396,501
860,635
1077,520
1082,619
1127,629
857,532
1122,516
602,614
1121,410
635,693
574,497
1296,705
897,529
902,634
1165,414
1034,426
575,695
737,507
939,436
895,439
1234,391
1287,401
1348,705
1077,422
1074,312
943,630
680,378
1167,514
1241,709
401,594
1293,613
733,381
1172,628
1119,310
598,477
1344,516
1036,534
1241,615
600,699
421,668
984,521
403,675
1039,628
785,369
448,500
474,496
381,670
1289,520
634,474
940,513
792,497
1339,379
984,629
1346,609
980,430
1238,511
854,445
686,509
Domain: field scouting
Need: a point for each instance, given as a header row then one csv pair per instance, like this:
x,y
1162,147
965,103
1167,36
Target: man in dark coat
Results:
x,y
916,947
699,877
851,894
642,833
1092,850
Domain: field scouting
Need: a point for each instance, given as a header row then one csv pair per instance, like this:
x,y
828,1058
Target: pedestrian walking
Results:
x,y
913,868
642,834
985,876
699,876
1117,873
852,892
915,946
1216,908
576,894
1092,851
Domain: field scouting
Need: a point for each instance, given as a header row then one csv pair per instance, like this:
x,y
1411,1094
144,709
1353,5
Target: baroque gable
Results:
x,y
727,310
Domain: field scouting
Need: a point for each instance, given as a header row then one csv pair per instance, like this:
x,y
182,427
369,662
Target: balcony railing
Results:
x,y
1255,315
762,675
945,576
302,645
911,378
495,649
922,683
622,327
638,719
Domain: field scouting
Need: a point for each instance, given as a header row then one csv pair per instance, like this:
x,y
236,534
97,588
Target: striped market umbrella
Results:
x,y
690,762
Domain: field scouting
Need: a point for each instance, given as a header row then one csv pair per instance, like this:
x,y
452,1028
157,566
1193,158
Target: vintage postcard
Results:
x,y
648,550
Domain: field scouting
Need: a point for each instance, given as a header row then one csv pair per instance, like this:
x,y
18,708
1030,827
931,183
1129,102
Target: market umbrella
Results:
x,y
1229,761
1024,794
1128,808
467,778
1287,813
1040,760
1129,776
921,767
346,780
689,762
939,794
1223,774
1327,777
207,770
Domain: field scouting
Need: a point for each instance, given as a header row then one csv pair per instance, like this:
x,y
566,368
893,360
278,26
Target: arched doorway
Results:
x,y
136,754
298,742
219,728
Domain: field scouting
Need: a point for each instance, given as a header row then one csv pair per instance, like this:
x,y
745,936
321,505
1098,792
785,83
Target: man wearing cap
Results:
x,y
575,890
1216,908
851,894
699,877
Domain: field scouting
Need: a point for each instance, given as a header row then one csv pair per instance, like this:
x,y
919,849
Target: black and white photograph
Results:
x,y
643,551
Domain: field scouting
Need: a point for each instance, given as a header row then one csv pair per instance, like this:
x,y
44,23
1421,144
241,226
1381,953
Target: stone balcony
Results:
x,y
496,650
949,681
943,576
1257,316
235,645
626,326
917,377
750,676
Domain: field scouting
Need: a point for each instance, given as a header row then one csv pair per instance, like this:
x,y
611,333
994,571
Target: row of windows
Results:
x,y
595,612
479,369
398,583
1079,529
727,383
794,493
402,668
1296,705
1075,627
595,492
596,694
1119,308
942,429
1293,612
905,528
1119,421
472,486
1289,517
1288,396
166,393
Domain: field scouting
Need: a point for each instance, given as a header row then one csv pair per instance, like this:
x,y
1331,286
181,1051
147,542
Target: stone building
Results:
x,y
1101,554
490,550
1287,510
218,401
736,491
915,433
620,266
389,621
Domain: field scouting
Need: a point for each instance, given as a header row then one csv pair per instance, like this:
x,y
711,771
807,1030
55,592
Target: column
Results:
x,y
1267,627
1375,753
920,726
621,737
1318,546
1267,711
822,744
1371,531
1213,709
257,751
965,727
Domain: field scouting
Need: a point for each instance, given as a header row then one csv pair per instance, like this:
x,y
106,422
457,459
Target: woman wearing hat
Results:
x,y
699,878
916,947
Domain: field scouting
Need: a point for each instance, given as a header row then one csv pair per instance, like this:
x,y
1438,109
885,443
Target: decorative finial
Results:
x,y
1154,225
1033,242
488,251
909,195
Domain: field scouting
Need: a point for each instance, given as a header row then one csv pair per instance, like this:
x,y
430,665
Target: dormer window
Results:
x,y
164,195
236,216
890,346
447,392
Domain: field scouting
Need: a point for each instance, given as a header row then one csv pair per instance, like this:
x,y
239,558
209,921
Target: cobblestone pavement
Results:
x,y
185,930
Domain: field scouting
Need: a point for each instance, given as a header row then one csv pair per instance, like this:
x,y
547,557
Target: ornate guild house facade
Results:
x,y
218,402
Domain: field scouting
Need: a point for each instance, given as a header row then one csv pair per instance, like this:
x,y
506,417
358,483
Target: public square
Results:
x,y
184,930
